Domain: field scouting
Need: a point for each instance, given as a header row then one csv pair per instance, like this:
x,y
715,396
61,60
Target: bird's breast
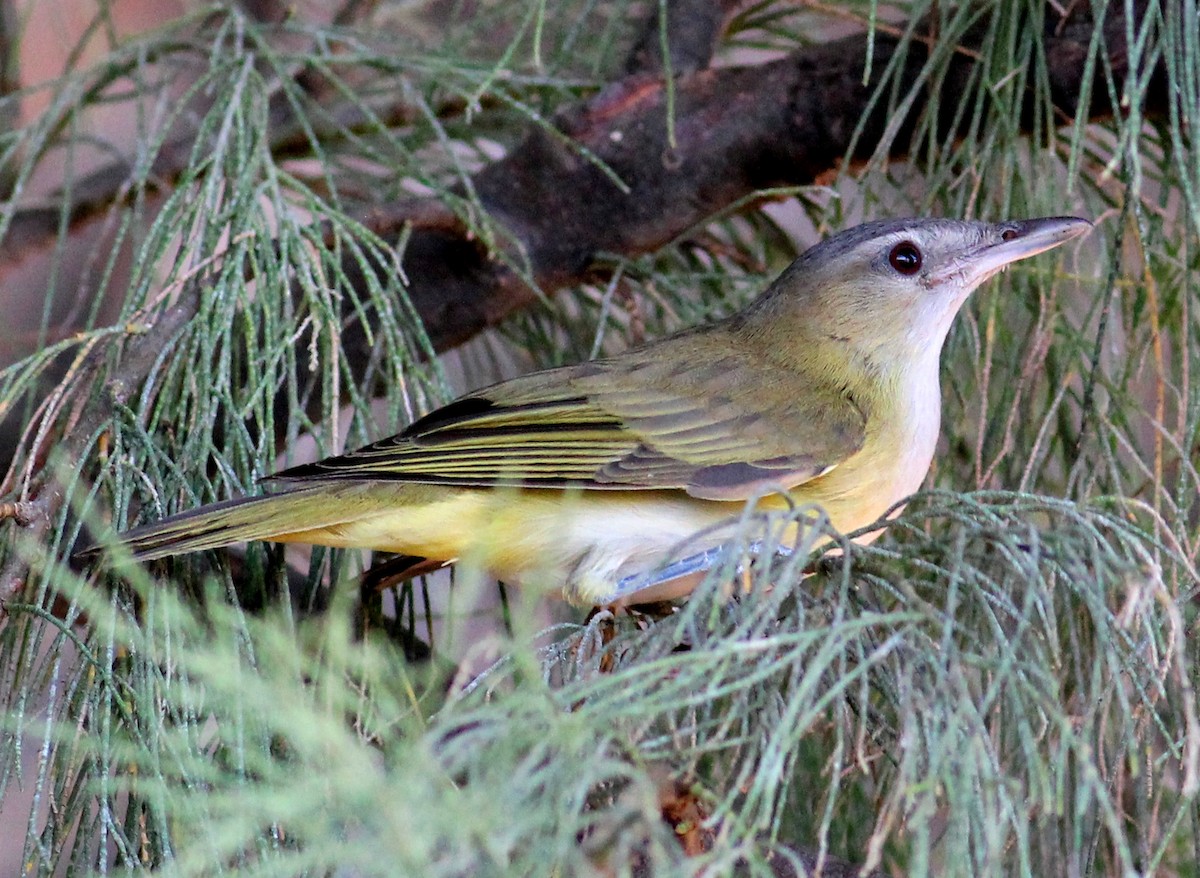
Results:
x,y
901,437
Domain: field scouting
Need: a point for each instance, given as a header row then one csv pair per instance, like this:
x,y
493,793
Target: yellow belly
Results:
x,y
582,541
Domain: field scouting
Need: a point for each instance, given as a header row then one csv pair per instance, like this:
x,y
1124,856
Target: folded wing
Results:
x,y
707,419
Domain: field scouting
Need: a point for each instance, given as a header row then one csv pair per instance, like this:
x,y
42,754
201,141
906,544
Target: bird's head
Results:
x,y
891,288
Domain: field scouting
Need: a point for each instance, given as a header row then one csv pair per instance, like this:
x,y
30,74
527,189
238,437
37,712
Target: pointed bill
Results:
x,y
1018,240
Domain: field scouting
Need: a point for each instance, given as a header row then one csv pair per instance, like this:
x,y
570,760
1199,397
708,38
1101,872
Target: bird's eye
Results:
x,y
905,258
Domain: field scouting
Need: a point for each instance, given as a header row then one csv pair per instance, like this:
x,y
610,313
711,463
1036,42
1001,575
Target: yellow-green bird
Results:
x,y
823,390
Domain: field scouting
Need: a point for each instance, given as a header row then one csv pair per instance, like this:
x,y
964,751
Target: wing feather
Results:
x,y
650,419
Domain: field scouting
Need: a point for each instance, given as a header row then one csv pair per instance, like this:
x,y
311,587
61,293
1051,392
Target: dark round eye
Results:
x,y
1008,234
905,258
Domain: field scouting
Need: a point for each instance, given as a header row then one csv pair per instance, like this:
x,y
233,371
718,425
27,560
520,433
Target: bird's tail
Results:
x,y
269,517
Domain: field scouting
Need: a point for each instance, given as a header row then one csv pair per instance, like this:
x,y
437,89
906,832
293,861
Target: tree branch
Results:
x,y
693,29
737,130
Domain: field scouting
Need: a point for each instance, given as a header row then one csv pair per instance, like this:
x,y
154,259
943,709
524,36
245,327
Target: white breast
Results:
x,y
902,435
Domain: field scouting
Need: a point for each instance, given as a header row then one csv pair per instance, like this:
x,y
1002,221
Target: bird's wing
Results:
x,y
652,418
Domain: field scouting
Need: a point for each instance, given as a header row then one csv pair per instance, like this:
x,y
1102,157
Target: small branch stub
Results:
x,y
23,512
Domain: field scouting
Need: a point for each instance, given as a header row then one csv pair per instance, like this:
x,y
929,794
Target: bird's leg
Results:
x,y
681,577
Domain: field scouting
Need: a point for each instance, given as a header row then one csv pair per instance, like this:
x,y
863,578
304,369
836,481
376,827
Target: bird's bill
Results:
x,y
1019,240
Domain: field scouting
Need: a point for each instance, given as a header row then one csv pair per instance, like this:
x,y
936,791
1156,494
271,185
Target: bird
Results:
x,y
823,390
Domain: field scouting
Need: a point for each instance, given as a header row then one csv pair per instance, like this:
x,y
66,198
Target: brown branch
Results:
x,y
788,122
738,130
693,29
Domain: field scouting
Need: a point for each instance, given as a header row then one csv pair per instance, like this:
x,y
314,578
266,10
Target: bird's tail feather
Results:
x,y
233,521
